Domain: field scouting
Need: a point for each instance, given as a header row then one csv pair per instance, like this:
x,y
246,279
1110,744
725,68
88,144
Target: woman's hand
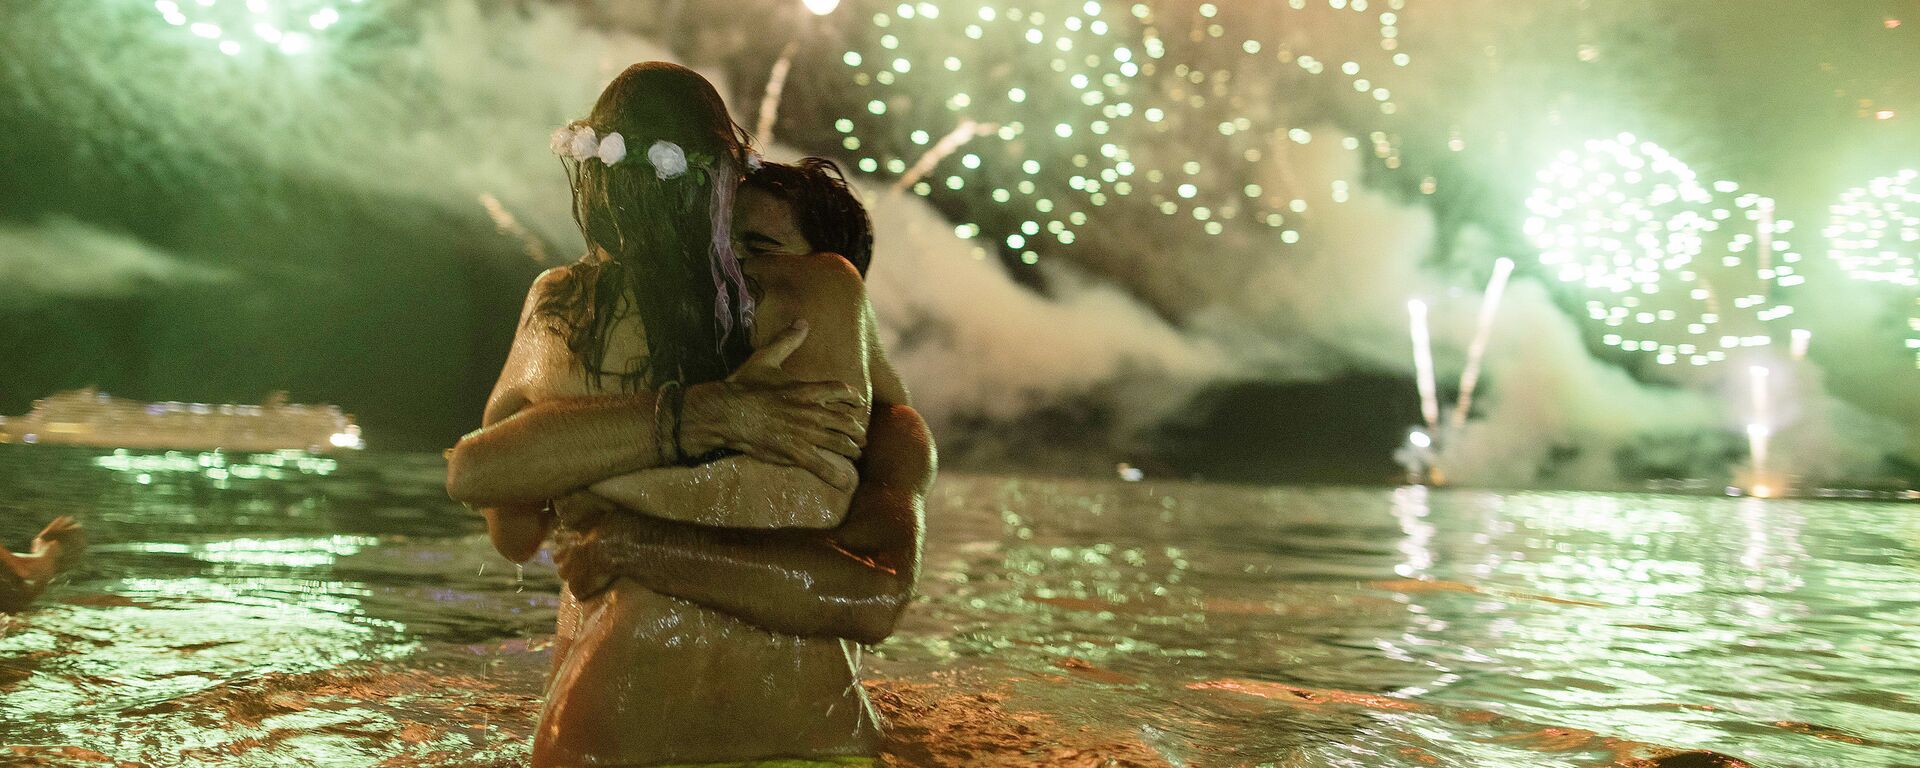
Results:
x,y
768,415
517,533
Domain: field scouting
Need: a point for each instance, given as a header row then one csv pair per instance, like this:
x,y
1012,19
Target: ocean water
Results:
x,y
281,609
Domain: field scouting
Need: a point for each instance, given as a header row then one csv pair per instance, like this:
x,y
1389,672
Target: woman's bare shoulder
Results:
x,y
552,277
541,365
550,283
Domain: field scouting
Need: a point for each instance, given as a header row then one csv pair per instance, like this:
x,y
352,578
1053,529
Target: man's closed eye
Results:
x,y
759,245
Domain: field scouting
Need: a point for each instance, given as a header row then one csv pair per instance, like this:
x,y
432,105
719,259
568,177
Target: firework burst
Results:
x,y
1671,267
1874,236
1116,111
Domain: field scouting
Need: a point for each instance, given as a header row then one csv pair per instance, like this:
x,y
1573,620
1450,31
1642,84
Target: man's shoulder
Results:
x,y
820,273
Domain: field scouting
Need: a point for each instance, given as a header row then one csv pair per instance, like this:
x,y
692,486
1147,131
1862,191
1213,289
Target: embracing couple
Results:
x,y
698,416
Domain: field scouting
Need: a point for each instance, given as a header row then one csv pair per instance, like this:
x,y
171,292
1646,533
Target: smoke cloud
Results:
x,y
397,177
64,258
972,341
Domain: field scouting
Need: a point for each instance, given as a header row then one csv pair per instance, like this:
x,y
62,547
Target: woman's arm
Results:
x,y
530,451
718,495
481,469
742,492
852,581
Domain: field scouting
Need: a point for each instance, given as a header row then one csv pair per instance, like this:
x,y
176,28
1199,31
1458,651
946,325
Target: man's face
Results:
x,y
764,225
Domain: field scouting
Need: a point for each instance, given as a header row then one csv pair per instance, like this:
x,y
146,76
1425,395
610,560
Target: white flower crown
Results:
x,y
669,161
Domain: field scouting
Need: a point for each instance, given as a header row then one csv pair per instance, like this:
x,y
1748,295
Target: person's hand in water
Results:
x,y
56,549
60,544
63,532
763,412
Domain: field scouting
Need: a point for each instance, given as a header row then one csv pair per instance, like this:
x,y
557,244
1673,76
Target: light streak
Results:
x,y
1483,331
1423,365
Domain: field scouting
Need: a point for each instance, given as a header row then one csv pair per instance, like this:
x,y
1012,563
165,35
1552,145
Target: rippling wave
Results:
x,y
347,614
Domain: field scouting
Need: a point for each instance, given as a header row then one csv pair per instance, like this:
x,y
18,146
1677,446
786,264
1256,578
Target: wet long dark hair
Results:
x,y
668,241
830,215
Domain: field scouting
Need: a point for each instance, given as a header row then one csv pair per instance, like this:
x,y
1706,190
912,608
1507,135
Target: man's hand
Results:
x,y
768,415
851,582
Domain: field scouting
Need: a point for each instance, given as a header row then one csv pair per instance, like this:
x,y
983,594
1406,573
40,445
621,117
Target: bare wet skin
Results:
x,y
738,692
348,616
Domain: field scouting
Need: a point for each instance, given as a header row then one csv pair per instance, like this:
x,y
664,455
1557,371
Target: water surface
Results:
x,y
274,609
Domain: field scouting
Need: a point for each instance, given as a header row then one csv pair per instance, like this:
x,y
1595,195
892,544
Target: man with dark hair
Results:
x,y
825,214
808,207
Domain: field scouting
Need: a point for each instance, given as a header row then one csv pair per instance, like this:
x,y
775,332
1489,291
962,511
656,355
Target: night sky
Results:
x,y
181,223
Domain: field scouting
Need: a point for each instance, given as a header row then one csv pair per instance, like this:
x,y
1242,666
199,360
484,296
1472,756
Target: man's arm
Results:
x,y
851,581
887,386
743,492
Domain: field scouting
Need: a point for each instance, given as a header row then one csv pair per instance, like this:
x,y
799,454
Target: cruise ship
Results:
x,y
93,418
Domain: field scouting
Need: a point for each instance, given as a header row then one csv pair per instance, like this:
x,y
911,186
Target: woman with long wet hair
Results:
x,y
658,377
657,217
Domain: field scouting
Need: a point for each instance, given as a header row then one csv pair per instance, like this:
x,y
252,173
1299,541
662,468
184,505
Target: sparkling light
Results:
x,y
348,439
1483,332
225,24
1874,236
1874,232
1760,430
1423,364
1111,108
1669,266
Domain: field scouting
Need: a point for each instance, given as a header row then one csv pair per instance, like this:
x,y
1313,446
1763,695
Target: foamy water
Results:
x,y
263,610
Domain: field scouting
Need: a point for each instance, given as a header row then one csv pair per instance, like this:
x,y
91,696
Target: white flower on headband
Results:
x,y
584,144
613,148
578,142
754,161
668,160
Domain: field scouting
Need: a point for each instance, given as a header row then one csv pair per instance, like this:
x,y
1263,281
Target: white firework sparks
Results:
x,y
289,27
1671,268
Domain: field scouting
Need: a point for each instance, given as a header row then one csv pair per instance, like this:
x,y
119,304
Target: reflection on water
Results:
x,y
215,465
352,616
